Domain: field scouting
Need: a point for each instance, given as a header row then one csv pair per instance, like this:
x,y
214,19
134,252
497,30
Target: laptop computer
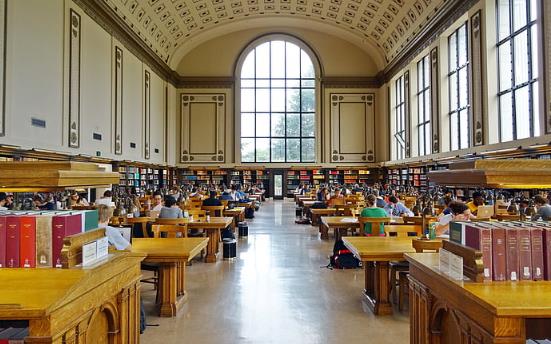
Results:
x,y
485,211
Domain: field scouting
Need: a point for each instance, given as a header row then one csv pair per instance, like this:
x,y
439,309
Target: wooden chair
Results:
x,y
403,230
374,221
142,221
198,213
171,231
214,210
196,204
344,209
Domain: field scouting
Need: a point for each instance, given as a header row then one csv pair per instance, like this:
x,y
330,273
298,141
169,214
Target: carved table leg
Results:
x,y
377,288
212,246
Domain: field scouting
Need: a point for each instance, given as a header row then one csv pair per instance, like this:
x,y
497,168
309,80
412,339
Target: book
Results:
x,y
536,240
2,241
499,257
62,226
525,253
457,232
546,252
479,237
44,241
27,241
511,243
12,241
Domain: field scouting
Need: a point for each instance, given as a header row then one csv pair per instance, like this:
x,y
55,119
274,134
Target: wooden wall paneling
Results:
x,y
147,114
434,98
407,114
118,98
477,89
74,78
352,127
202,134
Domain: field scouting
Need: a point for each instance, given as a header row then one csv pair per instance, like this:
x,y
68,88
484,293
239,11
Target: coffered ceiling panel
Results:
x,y
166,25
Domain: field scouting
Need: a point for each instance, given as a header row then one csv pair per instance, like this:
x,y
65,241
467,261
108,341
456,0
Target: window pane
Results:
x,y
308,100
452,51
463,88
520,43
247,150
504,20
293,124
522,108
262,150
262,83
536,108
427,71
428,135
293,100
278,59
427,106
263,124
420,112
247,83
462,45
247,70
278,100
306,66
419,75
247,100
293,60
247,124
293,83
278,150
293,150
278,83
454,132
308,125
506,117
465,128
308,150
453,91
263,60
278,124
519,14
533,10
535,57
308,83
505,74
262,100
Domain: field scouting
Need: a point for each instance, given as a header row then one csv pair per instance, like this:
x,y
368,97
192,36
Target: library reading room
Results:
x,y
275,171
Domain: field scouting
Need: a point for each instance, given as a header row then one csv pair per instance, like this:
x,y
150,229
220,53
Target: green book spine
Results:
x,y
90,220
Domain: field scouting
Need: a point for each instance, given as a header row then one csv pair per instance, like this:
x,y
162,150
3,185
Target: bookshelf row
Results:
x,y
146,178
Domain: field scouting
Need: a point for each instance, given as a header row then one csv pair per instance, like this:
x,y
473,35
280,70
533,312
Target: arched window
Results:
x,y
277,108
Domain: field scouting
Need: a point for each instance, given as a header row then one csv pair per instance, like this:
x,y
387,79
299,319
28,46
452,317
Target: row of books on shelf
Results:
x,y
13,335
511,251
31,239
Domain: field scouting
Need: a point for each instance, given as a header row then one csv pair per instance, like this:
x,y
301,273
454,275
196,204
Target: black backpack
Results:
x,y
249,213
342,258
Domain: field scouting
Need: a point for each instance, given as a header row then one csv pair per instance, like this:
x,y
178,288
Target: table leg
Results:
x,y
169,273
213,246
314,219
377,287
324,231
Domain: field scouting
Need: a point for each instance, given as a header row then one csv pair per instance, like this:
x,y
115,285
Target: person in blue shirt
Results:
x,y
225,196
212,200
397,208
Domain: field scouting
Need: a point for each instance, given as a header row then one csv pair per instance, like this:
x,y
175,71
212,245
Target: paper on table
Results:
x,y
349,219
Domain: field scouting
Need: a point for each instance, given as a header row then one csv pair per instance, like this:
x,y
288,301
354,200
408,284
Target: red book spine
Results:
x,y
12,242
512,254
27,241
2,241
73,224
547,252
499,257
525,254
536,236
486,248
58,233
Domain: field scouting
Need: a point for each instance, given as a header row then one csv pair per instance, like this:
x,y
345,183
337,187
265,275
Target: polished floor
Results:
x,y
276,291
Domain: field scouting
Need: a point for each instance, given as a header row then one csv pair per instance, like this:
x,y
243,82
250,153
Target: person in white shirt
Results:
x,y
113,235
458,212
107,199
157,202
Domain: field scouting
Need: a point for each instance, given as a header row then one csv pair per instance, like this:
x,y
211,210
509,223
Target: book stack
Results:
x,y
13,335
35,239
511,251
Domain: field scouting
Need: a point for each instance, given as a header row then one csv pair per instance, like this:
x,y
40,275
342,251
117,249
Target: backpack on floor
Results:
x,y
249,213
342,258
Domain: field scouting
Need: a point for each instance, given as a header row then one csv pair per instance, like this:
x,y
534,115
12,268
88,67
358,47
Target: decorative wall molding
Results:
x,y
74,78
477,88
343,116
352,82
407,113
3,35
206,143
147,114
435,104
118,98
206,82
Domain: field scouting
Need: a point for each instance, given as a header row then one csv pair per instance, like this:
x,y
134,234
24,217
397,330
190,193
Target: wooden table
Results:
x,y
421,245
171,254
339,224
317,213
97,304
443,310
238,214
213,228
375,254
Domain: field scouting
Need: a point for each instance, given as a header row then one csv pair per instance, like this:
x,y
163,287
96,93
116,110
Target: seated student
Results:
x,y
373,211
380,202
41,204
397,208
337,198
3,201
233,193
171,210
447,210
477,201
458,212
113,235
77,200
157,201
322,194
544,209
225,196
106,199
212,200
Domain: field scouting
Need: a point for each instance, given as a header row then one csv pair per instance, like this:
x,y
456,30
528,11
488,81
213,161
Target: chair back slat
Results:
x,y
403,230
214,210
171,231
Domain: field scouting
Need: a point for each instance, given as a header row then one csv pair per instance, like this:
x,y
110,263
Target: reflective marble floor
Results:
x,y
276,291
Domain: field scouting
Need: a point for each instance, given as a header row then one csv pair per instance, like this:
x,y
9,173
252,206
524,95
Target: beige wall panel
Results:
x,y
157,118
132,113
352,128
95,95
171,127
34,73
218,56
202,134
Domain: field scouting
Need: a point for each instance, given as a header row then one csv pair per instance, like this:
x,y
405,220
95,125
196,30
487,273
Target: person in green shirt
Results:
x,y
373,211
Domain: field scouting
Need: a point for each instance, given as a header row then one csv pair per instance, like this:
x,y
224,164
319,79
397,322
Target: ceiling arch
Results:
x,y
171,27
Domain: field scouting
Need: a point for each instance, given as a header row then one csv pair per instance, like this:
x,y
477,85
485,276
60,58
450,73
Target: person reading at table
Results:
x,y
157,202
544,209
373,211
171,210
212,200
397,208
458,212
477,201
113,235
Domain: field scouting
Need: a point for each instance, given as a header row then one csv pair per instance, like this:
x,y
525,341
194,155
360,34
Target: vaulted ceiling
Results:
x,y
167,26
